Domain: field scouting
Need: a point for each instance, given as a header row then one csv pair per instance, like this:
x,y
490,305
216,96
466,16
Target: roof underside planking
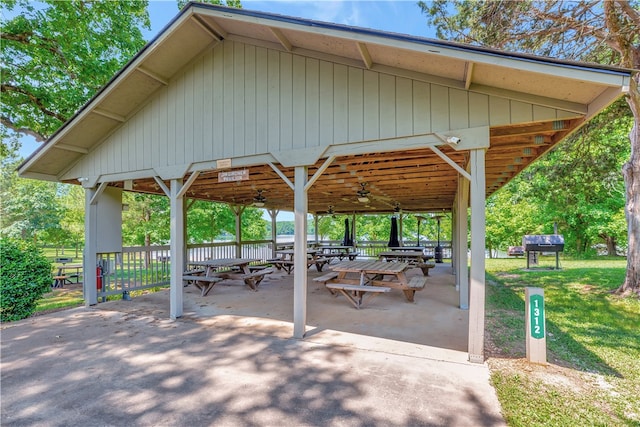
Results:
x,y
545,101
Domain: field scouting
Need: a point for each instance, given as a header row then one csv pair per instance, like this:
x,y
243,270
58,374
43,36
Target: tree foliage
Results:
x,y
604,32
230,3
57,54
29,208
579,186
25,275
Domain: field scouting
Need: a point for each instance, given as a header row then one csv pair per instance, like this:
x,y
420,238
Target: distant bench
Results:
x,y
425,266
515,251
341,255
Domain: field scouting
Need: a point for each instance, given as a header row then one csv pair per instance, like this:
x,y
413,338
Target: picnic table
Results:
x,y
63,277
407,248
285,261
213,271
412,257
337,251
370,277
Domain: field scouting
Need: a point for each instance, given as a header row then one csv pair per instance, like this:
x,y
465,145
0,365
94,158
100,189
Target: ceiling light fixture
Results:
x,y
259,200
363,195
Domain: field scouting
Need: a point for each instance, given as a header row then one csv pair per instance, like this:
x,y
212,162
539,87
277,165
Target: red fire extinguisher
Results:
x,y
98,277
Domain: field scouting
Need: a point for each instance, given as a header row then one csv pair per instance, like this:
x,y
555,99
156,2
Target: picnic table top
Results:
x,y
334,247
292,251
382,267
224,262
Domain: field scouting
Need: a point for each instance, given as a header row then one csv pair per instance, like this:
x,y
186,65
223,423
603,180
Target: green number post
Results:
x,y
535,337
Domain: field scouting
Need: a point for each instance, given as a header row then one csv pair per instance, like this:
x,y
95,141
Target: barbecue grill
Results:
x,y
543,243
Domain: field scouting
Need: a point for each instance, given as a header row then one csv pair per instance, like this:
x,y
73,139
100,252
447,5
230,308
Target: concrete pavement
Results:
x,y
89,367
231,361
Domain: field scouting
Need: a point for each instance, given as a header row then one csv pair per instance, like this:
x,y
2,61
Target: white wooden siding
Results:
x,y
238,100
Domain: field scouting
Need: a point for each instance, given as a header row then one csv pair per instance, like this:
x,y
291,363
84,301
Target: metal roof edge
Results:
x,y
414,39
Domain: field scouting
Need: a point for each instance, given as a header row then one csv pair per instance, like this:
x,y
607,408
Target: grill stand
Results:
x,y
557,259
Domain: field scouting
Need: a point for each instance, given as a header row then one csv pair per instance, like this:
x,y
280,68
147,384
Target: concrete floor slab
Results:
x,y
231,361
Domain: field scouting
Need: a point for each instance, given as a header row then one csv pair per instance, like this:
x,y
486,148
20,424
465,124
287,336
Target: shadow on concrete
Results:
x,y
433,319
101,367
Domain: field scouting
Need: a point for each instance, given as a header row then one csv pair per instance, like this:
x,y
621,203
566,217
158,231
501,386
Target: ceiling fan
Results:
x,y
331,212
259,200
363,194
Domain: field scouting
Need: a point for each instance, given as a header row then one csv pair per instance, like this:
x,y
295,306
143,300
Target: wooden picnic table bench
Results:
x,y
202,282
285,261
425,266
228,268
372,273
340,252
326,277
282,264
356,293
254,278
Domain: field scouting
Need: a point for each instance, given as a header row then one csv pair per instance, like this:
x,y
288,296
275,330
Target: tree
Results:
x,y
57,54
73,216
605,32
577,185
30,209
512,213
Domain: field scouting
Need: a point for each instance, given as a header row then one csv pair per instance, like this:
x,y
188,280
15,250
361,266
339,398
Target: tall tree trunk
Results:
x,y
611,245
631,172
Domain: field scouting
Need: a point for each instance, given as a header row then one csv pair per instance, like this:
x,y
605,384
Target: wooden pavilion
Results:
x,y
311,111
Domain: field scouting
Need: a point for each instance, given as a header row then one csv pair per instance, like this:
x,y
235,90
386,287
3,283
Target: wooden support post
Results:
x,y
176,249
477,276
90,257
300,255
462,268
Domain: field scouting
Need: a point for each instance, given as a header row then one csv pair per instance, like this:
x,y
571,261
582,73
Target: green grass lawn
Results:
x,y
593,345
58,299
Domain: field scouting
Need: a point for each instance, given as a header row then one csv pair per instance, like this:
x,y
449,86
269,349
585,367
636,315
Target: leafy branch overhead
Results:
x,y
57,54
602,32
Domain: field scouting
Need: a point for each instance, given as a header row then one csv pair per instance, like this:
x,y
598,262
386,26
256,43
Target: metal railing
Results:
x,y
135,268
143,267
371,249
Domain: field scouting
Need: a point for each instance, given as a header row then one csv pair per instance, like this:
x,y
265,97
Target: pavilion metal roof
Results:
x,y
417,180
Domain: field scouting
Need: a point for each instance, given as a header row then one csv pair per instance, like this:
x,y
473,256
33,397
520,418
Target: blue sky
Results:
x,y
387,15
401,16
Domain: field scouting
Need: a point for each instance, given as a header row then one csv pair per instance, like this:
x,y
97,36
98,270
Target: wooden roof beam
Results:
x,y
468,74
284,41
365,55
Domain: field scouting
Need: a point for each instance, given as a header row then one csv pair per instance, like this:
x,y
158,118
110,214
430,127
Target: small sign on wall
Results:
x,y
230,176
223,164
